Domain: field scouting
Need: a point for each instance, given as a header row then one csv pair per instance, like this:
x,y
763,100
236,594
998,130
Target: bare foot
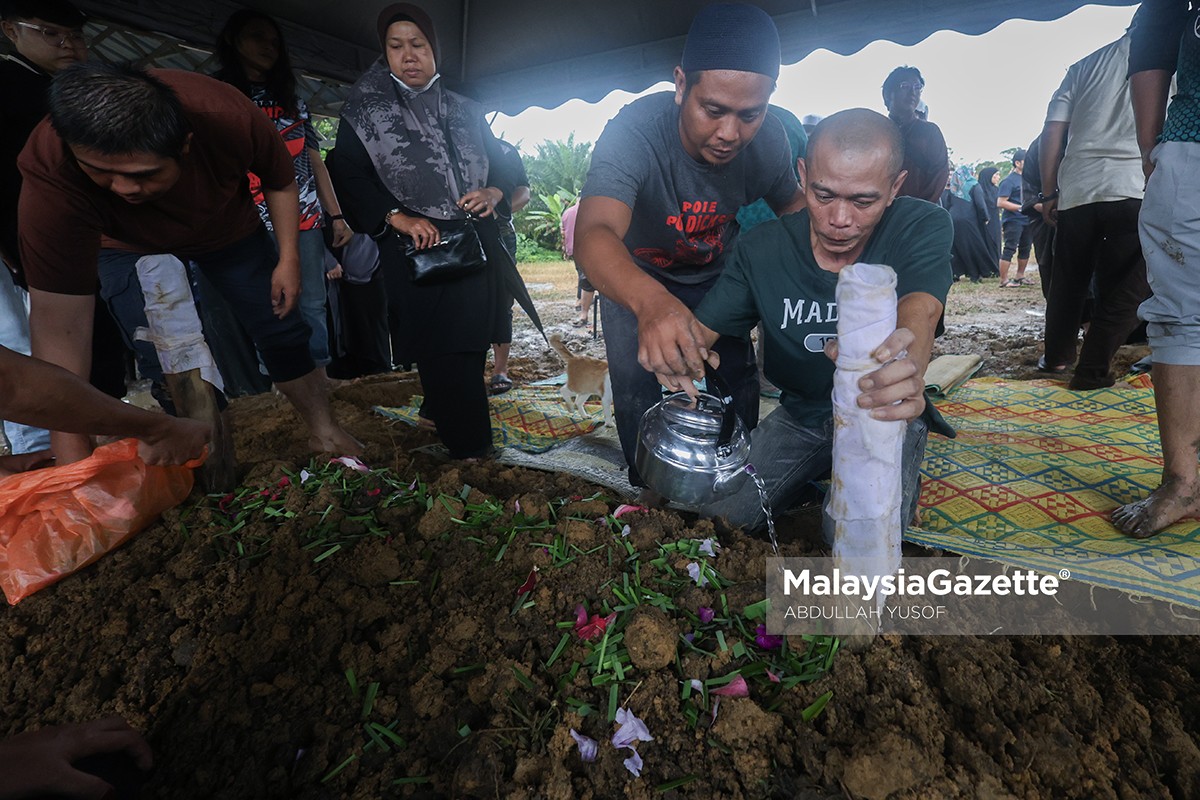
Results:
x,y
1166,505
335,441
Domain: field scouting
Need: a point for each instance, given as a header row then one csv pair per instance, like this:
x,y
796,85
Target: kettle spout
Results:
x,y
727,483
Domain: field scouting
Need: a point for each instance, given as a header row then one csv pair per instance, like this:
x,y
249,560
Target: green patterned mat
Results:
x,y
1033,475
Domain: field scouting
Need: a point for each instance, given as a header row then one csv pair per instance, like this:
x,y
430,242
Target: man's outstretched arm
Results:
x,y
666,338
34,392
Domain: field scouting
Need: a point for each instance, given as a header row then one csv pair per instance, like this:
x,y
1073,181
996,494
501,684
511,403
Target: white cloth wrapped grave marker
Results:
x,y
174,327
865,496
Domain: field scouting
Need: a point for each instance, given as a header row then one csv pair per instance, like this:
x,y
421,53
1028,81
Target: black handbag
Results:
x,y
458,254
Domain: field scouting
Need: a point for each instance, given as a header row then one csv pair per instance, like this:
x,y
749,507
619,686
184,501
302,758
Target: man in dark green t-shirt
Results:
x,y
784,273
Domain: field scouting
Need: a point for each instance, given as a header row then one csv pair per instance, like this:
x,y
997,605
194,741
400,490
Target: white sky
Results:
x,y
987,93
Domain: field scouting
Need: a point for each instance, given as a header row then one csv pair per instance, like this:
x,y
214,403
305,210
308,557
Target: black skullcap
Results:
x,y
732,36
1018,156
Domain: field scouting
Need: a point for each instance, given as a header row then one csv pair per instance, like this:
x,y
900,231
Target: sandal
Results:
x,y
1058,369
1010,284
578,323
499,384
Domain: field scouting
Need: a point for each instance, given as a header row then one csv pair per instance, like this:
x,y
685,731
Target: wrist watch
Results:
x,y
387,218
1042,198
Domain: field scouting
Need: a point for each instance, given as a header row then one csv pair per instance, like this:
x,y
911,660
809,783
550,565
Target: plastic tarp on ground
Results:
x,y
512,54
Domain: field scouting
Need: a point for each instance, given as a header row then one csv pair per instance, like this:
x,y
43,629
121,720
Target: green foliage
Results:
x,y
529,251
556,176
559,166
544,224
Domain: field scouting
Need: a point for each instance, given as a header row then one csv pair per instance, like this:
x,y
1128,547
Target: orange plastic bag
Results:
x,y
57,520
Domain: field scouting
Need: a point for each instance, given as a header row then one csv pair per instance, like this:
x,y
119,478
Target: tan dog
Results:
x,y
586,376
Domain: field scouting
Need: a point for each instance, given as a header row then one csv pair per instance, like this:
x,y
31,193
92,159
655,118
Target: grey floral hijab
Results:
x,y
404,132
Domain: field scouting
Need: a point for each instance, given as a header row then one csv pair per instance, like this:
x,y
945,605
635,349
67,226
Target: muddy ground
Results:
x,y
365,636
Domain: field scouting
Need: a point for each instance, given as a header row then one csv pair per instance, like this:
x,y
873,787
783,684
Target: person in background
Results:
x,y
989,180
412,153
657,218
505,211
1041,234
1091,191
810,122
1165,41
964,199
47,36
1014,224
586,293
926,159
254,58
359,298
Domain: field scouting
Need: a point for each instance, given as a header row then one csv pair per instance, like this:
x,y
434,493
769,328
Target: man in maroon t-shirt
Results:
x,y
133,163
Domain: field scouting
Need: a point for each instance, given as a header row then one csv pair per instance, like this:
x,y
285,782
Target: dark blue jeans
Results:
x,y
635,390
788,456
241,273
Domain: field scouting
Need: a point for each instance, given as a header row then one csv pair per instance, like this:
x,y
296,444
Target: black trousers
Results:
x,y
456,400
1100,239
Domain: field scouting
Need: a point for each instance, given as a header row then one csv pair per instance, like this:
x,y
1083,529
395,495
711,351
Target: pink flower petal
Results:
x,y
593,629
351,462
774,678
625,508
587,746
735,688
517,506
765,640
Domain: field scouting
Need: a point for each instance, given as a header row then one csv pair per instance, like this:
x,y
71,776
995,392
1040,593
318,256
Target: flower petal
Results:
x,y
735,688
709,547
631,729
351,462
588,747
697,685
634,763
774,678
698,576
305,475
765,640
626,531
706,614
529,583
625,508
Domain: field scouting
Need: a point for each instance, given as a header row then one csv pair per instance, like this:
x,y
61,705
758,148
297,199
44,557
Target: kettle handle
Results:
x,y
713,379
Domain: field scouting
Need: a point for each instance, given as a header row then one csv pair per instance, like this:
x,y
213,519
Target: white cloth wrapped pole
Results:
x,y
173,326
866,492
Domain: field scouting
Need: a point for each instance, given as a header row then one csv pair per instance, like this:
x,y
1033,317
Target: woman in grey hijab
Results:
x,y
412,153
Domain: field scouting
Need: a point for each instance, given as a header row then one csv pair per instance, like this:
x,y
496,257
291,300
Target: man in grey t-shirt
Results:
x,y
657,217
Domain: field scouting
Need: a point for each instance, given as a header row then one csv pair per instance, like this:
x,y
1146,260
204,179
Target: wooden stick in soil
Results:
x,y
196,398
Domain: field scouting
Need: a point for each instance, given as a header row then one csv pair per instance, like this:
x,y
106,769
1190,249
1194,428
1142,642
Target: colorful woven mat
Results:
x,y
1033,475
530,418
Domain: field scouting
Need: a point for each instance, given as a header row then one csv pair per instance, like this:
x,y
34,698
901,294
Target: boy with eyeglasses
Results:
x,y
48,37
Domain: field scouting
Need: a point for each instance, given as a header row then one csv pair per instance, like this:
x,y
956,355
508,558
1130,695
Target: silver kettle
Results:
x,y
694,453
